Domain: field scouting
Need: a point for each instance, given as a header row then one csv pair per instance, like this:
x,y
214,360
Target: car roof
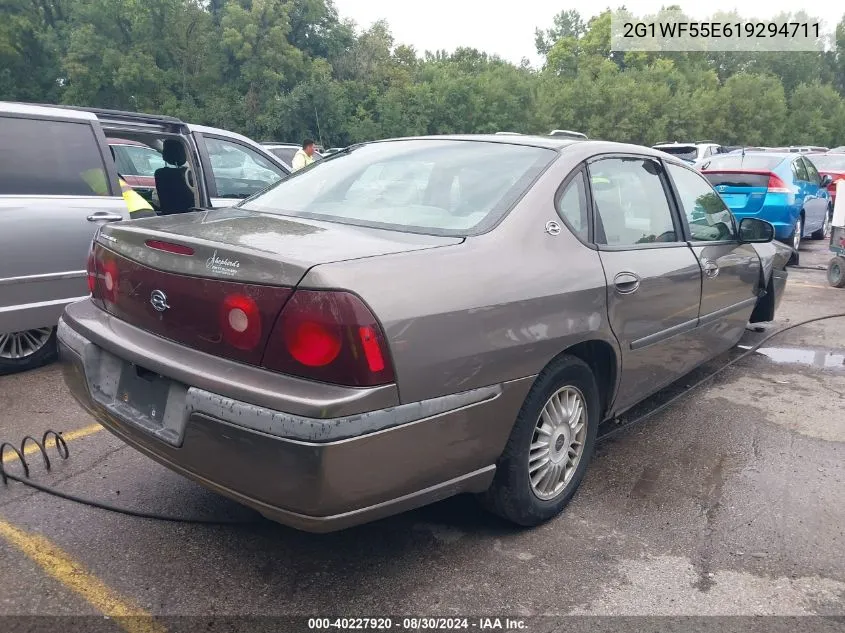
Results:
x,y
45,110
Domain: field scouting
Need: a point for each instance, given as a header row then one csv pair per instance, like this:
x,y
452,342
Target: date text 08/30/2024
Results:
x,y
417,624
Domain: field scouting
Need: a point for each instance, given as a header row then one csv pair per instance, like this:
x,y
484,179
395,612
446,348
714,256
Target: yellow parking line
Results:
x,y
75,577
70,435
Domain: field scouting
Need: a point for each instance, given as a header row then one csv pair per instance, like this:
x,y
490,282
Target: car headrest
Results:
x,y
173,152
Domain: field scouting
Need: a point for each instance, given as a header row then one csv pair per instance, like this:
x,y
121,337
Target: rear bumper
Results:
x,y
311,473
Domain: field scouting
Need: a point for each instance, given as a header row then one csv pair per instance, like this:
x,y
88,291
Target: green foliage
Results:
x,y
289,69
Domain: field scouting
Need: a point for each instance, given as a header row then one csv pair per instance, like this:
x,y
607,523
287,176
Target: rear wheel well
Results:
x,y
601,358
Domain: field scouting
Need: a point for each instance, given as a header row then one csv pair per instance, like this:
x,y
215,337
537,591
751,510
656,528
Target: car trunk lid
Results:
x,y
181,277
249,246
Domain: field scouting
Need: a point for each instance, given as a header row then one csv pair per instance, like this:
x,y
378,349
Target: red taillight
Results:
x,y
170,247
92,271
109,276
240,322
312,344
776,185
330,336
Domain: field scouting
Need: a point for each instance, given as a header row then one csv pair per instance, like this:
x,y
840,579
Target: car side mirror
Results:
x,y
755,231
826,180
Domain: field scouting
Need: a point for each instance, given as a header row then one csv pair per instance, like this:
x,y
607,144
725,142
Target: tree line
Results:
x,y
289,69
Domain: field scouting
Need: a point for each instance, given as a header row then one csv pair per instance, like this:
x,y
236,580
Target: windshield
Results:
x,y
738,162
439,187
829,162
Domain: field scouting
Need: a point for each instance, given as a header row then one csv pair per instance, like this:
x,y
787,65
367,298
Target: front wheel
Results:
x,y
550,446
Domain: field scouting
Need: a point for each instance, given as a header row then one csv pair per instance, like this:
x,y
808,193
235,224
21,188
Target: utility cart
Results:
x,y
836,267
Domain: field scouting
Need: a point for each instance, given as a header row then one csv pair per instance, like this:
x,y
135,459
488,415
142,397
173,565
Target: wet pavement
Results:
x,y
730,501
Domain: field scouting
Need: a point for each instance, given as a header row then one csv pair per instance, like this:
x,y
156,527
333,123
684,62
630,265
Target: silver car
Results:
x,y
415,319
59,184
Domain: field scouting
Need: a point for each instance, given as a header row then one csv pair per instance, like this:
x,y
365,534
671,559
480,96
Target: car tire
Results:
x,y
44,355
836,272
794,239
518,492
823,232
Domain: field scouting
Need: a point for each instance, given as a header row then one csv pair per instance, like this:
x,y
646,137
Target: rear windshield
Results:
x,y
829,162
738,162
438,187
729,179
685,152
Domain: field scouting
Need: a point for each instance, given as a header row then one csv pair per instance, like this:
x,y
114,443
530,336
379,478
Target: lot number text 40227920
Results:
x,y
417,624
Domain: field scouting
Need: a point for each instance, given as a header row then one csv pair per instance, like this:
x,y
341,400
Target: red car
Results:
x,y
137,164
830,164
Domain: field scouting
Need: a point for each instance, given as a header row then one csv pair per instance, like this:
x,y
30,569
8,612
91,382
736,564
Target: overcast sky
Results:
x,y
507,29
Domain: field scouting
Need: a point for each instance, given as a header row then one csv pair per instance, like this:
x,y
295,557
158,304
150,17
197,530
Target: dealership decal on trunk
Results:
x,y
222,266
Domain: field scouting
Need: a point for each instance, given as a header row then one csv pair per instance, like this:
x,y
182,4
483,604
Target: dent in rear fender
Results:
x,y
495,308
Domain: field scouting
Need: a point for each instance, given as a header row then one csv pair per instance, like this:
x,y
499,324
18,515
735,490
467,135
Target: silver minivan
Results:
x,y
59,183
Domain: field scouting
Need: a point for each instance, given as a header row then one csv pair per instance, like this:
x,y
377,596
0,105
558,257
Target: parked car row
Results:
x,y
793,187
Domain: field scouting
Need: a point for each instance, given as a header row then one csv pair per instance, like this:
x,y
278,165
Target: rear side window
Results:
x,y
800,170
572,206
50,158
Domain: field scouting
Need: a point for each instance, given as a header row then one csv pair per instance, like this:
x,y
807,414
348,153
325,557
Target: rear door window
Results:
x,y
630,202
239,171
50,158
572,206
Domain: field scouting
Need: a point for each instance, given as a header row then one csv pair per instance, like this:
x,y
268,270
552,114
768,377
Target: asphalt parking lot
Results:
x,y
729,502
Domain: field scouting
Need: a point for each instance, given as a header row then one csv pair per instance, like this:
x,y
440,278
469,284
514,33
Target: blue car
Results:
x,y
782,188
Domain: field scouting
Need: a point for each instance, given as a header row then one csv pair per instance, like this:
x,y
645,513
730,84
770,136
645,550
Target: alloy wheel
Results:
x,y
20,345
558,442
796,235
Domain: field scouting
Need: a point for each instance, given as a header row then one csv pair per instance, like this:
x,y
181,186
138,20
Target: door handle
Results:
x,y
626,283
710,268
105,216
